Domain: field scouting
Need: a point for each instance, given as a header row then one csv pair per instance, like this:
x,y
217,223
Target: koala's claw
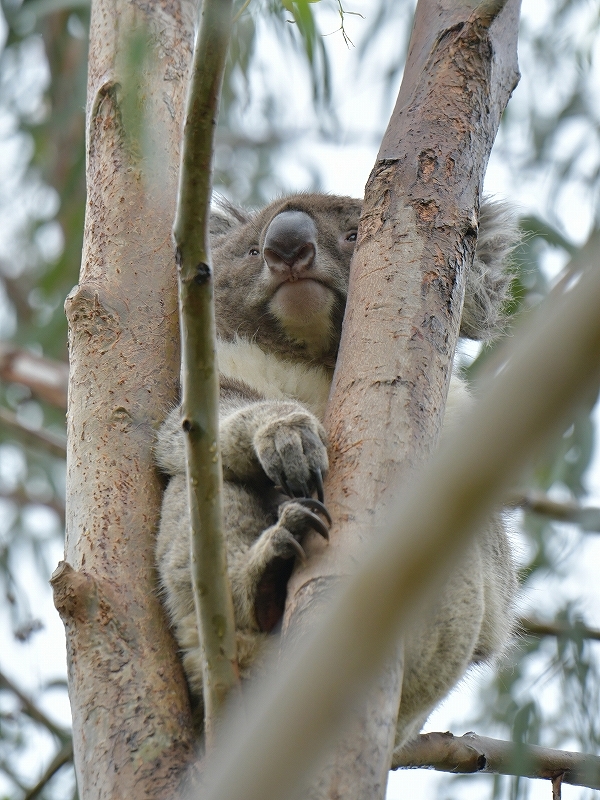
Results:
x,y
282,483
319,483
304,492
316,523
296,547
316,505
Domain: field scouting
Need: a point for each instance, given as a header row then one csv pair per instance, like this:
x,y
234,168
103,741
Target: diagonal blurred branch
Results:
x,y
471,753
50,442
46,378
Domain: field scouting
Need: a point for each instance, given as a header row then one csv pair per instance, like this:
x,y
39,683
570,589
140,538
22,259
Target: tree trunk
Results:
x,y
416,240
131,719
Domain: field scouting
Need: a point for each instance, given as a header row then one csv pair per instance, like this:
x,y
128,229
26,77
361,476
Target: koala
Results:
x,y
281,280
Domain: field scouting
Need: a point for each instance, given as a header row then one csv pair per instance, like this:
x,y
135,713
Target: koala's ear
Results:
x,y
220,223
225,217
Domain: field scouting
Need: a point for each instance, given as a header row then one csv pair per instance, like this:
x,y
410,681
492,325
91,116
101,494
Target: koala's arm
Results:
x,y
277,439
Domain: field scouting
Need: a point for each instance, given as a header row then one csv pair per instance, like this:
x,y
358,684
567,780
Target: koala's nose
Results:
x,y
290,243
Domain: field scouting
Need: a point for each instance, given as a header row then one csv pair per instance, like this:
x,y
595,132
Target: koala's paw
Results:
x,y
296,518
292,451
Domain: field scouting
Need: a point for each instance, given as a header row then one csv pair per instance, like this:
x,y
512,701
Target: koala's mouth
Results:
x,y
301,298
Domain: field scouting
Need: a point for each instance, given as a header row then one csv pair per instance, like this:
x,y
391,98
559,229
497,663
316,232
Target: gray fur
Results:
x,y
277,346
488,283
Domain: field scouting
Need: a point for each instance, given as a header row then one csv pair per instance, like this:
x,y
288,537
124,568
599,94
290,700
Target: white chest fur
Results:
x,y
274,377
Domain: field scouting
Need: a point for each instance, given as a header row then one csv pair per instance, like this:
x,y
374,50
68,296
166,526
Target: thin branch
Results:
x,y
471,753
535,627
200,391
37,440
46,378
588,518
9,771
21,498
64,756
552,363
32,711
557,787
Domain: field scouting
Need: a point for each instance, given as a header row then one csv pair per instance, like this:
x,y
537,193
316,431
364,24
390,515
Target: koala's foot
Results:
x,y
273,554
292,452
296,518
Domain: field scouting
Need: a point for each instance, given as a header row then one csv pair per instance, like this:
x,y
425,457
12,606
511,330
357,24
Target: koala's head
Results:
x,y
281,274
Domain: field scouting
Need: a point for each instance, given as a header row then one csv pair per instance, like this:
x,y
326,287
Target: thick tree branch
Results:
x,y
132,721
416,241
588,519
36,439
471,753
200,390
546,369
46,378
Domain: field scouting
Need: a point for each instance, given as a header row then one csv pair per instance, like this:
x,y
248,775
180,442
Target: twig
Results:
x,y
64,755
212,593
32,711
46,377
536,627
471,753
588,519
556,786
50,442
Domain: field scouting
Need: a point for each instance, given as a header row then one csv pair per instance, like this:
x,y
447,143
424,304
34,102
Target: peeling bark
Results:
x,y
131,718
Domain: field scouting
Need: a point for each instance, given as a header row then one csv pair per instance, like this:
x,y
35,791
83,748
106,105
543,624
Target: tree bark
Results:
x,y
131,719
416,240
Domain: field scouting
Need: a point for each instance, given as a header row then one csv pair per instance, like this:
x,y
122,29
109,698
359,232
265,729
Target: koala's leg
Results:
x,y
499,588
245,519
259,570
470,621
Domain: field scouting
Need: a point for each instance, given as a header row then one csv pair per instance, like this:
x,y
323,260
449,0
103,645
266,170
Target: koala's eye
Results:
x,y
351,237
254,251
